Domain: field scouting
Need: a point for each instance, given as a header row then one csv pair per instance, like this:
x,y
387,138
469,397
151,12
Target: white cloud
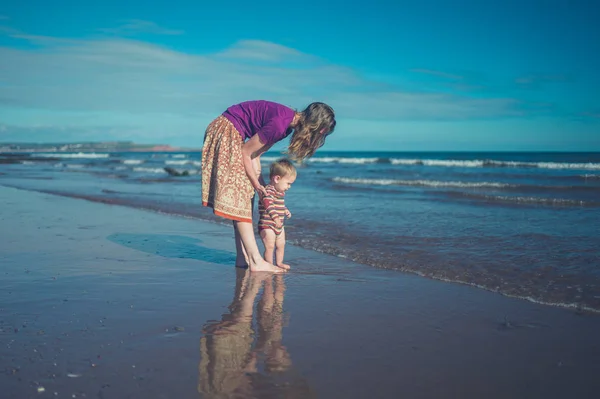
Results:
x,y
137,26
264,51
538,80
138,87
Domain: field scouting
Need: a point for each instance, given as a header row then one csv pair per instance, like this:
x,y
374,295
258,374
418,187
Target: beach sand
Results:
x,y
104,301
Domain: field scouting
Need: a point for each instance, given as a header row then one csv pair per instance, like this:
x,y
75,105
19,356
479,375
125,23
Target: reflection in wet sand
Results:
x,y
237,361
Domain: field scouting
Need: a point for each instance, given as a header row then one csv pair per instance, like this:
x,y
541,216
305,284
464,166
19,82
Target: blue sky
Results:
x,y
401,75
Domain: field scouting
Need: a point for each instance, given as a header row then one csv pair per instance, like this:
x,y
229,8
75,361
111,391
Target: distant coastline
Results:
x,y
105,146
130,146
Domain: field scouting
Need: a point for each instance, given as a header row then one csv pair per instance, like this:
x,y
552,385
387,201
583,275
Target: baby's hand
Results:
x,y
288,214
278,222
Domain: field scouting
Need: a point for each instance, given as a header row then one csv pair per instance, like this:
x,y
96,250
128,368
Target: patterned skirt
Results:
x,y
225,185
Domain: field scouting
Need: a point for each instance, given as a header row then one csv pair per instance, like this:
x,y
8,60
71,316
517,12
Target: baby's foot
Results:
x,y
284,266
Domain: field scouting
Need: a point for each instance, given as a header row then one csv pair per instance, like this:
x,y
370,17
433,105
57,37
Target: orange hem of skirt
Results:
x,y
227,216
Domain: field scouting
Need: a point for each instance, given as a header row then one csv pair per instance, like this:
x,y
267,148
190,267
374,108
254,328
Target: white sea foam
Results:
x,y
572,305
149,170
179,156
344,160
538,200
269,159
591,177
478,163
185,162
460,163
438,162
176,162
133,161
77,155
75,166
424,183
561,165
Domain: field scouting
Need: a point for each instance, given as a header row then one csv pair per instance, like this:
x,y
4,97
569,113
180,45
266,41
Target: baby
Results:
x,y
272,211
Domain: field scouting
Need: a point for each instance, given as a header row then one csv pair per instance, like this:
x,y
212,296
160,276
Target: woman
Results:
x,y
233,144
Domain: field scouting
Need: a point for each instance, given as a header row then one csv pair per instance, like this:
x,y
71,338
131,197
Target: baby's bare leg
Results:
x,y
280,250
268,239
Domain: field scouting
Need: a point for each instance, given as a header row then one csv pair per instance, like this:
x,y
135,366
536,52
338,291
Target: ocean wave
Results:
x,y
75,155
477,163
149,170
345,160
560,202
175,162
268,159
133,161
540,200
424,183
185,162
590,177
458,163
179,156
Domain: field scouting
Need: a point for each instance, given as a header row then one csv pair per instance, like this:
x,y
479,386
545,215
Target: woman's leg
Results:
x,y
256,263
241,258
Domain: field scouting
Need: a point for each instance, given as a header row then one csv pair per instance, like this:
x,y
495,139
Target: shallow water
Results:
x,y
522,224
103,301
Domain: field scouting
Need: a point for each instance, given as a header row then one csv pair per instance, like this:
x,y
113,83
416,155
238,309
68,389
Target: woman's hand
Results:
x,y
262,191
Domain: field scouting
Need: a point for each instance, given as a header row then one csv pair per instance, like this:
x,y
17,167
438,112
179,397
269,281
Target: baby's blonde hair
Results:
x,y
282,167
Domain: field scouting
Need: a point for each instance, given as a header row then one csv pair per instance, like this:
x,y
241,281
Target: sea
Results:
x,y
521,224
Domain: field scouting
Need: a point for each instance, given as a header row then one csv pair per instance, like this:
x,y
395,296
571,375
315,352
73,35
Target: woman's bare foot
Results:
x,y
284,266
264,266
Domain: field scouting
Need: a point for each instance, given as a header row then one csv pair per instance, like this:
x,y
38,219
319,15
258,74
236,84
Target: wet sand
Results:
x,y
104,301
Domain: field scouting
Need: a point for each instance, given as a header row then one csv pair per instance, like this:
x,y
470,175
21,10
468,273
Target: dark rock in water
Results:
x,y
8,158
14,155
175,172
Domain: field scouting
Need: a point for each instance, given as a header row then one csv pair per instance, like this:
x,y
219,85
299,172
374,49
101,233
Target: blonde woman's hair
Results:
x,y
282,167
316,122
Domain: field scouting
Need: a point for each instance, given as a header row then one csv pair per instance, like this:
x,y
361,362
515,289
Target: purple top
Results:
x,y
270,120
